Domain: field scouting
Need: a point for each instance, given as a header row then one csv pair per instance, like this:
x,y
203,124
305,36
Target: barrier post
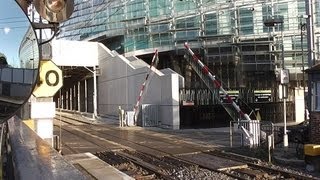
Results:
x,y
231,133
270,144
144,85
120,117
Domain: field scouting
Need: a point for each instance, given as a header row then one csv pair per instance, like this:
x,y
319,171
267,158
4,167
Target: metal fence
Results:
x,y
264,135
268,110
253,133
199,96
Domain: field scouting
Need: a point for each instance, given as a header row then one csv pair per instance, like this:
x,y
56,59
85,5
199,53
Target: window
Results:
x,y
136,39
187,28
211,24
266,14
159,7
224,23
316,96
135,9
246,21
317,9
184,5
282,12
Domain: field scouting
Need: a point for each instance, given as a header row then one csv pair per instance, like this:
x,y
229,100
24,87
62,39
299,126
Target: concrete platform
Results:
x,y
92,166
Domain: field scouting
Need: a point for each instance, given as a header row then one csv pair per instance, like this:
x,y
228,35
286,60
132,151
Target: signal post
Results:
x,y
50,76
43,107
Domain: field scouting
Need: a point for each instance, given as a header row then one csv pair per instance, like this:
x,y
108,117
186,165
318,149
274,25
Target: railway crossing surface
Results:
x,y
98,146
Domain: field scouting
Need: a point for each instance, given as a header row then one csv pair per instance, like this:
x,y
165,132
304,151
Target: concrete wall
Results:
x,y
120,82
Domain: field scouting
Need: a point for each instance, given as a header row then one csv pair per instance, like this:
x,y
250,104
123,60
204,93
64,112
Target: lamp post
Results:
x,y
284,76
302,28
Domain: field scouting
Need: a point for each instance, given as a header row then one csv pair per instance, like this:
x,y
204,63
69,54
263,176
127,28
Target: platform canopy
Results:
x,y
74,53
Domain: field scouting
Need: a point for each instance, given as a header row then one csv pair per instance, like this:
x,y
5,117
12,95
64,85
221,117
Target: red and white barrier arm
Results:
x,y
205,71
143,86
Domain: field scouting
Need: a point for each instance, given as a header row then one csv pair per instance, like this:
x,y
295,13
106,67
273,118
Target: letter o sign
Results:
x,y
52,78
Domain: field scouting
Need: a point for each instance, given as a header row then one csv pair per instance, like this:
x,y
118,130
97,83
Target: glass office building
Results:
x,y
228,35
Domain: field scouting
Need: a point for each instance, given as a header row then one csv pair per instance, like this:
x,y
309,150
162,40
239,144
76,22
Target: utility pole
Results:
x,y
310,42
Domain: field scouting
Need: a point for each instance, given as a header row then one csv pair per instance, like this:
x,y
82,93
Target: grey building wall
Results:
x,y
120,82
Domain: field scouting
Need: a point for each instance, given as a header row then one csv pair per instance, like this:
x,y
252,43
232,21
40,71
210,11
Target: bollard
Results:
x,y
120,117
231,133
56,142
123,118
270,146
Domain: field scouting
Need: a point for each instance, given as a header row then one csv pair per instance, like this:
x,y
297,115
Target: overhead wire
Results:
x,y
10,22
15,27
17,17
15,22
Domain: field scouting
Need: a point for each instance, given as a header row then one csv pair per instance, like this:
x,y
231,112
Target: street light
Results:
x,y
284,76
302,28
271,23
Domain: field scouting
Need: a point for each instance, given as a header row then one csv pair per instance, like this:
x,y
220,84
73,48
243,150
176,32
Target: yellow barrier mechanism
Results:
x,y
312,149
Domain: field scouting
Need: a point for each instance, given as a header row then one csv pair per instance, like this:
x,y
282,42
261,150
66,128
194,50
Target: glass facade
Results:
x,y
237,45
29,51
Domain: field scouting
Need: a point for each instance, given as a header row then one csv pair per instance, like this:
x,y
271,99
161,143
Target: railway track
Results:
x,y
131,159
167,167
258,169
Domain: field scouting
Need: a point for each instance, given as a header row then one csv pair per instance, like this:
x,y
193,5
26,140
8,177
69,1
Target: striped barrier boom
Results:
x,y
205,70
154,62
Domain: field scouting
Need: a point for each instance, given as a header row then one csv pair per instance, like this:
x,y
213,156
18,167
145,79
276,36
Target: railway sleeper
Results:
x,y
146,165
256,174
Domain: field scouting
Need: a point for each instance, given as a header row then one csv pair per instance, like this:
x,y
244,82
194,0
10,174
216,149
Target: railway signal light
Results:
x,y
54,10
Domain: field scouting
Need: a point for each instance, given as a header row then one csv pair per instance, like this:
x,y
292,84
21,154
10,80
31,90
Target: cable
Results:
x,y
17,27
18,17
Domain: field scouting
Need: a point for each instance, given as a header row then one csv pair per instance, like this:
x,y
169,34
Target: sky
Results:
x,y
13,26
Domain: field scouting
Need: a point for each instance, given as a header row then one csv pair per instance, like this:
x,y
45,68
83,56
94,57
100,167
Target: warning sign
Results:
x,y
50,79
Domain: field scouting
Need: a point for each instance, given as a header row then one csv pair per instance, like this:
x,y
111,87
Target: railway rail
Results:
x,y
143,161
258,169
